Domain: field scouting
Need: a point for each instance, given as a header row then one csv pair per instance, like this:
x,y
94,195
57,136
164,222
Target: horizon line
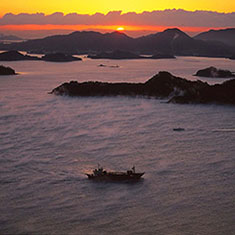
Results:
x,y
187,30
113,28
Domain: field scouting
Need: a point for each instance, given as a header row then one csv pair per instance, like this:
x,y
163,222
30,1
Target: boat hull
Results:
x,y
116,177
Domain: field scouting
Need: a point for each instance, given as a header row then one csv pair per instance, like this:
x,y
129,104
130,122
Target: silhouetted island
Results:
x,y
213,72
116,55
59,57
162,56
15,56
122,54
162,85
6,70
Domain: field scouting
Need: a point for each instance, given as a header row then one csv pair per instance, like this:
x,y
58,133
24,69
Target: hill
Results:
x,y
171,41
176,42
4,37
226,36
74,43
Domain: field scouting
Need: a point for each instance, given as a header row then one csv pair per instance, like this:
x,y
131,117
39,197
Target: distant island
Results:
x,y
167,44
123,54
53,57
213,72
15,56
162,56
163,85
6,70
59,57
116,54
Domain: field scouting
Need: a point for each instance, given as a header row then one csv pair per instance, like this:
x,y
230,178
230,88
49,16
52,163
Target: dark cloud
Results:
x,y
169,18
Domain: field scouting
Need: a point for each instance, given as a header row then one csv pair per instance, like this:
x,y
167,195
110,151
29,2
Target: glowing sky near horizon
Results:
x,y
99,27
104,6
145,23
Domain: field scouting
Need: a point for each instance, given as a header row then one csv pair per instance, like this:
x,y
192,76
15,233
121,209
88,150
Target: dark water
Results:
x,y
47,143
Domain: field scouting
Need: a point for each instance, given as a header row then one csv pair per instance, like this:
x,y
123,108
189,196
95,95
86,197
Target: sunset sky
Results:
x,y
136,17
104,6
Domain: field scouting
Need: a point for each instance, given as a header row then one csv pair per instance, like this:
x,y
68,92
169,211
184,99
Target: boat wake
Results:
x,y
225,130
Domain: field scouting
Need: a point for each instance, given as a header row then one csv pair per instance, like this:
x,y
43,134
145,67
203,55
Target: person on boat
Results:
x,y
133,169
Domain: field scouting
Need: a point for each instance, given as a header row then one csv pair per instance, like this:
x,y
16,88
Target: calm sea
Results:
x,y
48,143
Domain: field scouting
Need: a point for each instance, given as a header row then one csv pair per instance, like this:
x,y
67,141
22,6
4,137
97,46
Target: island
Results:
x,y
16,56
6,70
162,56
213,72
128,55
162,85
116,55
60,57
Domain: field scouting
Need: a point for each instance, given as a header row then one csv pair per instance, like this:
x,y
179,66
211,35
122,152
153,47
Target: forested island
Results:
x,y
162,85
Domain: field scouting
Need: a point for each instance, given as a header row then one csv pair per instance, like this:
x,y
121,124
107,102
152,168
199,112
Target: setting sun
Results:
x,y
120,29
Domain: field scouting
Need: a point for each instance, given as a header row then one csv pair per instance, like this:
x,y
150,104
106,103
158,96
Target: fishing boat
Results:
x,y
103,175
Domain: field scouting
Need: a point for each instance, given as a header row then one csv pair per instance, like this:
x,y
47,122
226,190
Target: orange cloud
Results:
x,y
168,18
135,24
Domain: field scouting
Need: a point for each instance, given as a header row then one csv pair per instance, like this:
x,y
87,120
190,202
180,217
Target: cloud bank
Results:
x,y
180,18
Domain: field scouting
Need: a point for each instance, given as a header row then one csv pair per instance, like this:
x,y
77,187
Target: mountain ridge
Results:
x,y
226,36
171,41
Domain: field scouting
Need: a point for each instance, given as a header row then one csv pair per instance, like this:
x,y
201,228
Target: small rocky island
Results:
x,y
213,72
162,85
6,70
15,56
59,57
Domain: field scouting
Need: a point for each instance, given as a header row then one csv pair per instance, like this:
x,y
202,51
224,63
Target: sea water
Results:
x,y
48,143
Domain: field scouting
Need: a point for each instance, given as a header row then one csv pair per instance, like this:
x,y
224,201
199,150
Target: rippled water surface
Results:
x,y
48,142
